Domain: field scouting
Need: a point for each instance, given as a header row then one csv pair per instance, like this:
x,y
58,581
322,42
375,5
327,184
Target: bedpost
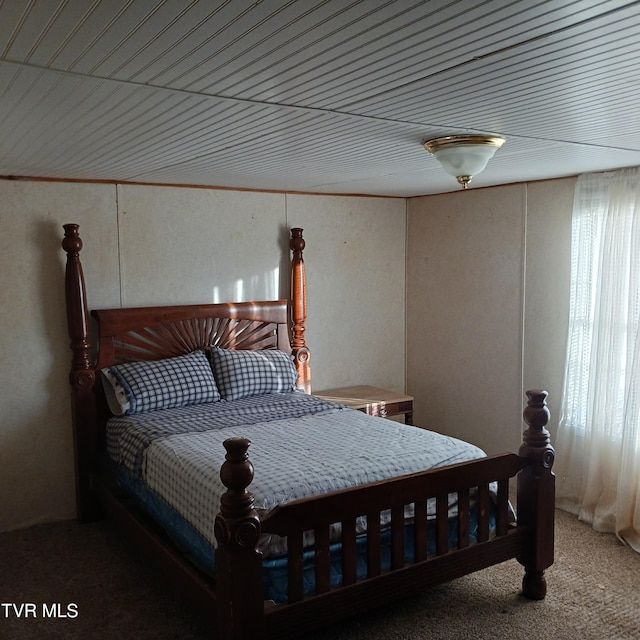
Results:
x,y
536,496
82,376
299,310
239,596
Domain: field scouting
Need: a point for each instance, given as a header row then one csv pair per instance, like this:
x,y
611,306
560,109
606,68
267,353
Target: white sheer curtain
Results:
x,y
598,443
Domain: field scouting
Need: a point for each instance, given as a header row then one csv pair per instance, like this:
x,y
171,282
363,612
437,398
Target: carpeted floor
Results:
x,y
107,592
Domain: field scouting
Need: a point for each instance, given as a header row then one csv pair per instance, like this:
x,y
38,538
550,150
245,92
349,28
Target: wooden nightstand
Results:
x,y
372,400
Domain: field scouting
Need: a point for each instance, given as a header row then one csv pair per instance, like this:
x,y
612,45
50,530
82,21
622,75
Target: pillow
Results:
x,y
148,385
114,393
244,373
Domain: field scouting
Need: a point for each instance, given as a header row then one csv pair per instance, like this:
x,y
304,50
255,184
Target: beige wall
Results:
x,y
485,277
36,454
548,279
156,245
199,245
356,278
487,305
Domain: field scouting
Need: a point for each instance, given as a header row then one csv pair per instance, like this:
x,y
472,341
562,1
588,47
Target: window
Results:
x,y
599,433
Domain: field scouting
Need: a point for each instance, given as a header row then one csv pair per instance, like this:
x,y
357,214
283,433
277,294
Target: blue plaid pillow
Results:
x,y
161,384
244,373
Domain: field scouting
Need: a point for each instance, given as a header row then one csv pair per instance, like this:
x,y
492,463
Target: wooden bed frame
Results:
x,y
234,600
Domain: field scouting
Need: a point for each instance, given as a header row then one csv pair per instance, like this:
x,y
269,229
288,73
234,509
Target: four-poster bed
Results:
x,y
336,551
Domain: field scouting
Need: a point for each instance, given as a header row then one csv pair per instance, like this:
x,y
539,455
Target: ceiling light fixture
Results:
x,y
464,156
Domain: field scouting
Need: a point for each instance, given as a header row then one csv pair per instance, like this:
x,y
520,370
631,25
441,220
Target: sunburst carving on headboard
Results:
x,y
174,338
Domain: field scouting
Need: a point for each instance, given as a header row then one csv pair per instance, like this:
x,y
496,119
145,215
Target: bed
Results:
x,y
325,526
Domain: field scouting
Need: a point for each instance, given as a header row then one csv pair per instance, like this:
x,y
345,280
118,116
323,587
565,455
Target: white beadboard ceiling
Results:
x,y
333,96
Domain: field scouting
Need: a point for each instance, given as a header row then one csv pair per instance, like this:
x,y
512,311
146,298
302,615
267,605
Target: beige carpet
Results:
x,y
109,593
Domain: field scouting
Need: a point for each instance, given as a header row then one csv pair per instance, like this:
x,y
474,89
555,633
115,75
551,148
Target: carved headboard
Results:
x,y
149,333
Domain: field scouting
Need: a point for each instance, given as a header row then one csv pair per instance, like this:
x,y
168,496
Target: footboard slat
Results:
x,y
373,545
502,518
483,512
442,524
464,517
421,539
349,558
294,567
397,536
323,560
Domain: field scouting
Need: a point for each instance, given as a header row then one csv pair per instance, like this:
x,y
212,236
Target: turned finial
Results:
x,y
237,523
297,243
536,413
71,243
536,440
236,472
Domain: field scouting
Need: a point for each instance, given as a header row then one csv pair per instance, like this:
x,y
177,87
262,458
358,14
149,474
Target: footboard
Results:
x,y
389,564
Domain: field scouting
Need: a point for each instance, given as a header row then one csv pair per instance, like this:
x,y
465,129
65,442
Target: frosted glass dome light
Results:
x,y
464,156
